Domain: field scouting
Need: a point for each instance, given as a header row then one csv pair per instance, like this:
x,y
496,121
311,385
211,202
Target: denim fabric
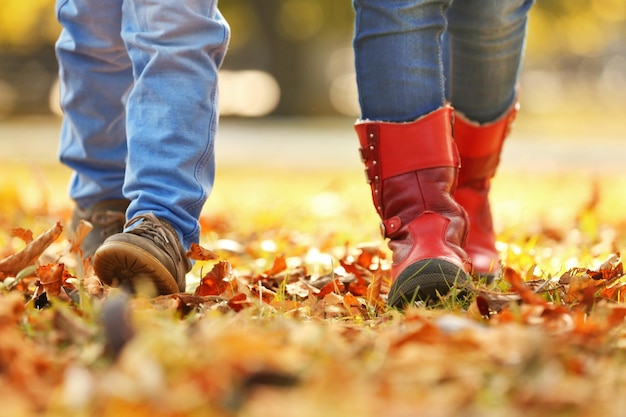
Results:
x,y
139,94
414,56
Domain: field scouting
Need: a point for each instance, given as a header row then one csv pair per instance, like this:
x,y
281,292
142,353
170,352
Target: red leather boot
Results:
x,y
412,170
480,147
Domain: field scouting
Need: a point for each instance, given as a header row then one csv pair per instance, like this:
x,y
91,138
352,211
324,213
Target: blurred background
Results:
x,y
294,58
288,102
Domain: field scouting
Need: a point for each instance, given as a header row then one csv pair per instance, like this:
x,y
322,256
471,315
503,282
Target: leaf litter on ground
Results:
x,y
271,326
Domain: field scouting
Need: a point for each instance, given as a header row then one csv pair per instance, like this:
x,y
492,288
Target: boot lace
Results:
x,y
162,234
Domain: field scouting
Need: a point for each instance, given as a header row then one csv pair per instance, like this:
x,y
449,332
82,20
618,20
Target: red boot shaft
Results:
x,y
480,147
412,170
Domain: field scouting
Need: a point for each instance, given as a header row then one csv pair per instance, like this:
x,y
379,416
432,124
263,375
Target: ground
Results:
x,y
284,312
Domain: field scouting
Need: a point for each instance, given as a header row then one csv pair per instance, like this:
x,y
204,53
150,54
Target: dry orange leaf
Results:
x,y
13,264
360,287
24,234
239,302
279,265
51,277
373,291
526,294
214,283
350,300
333,286
198,253
81,232
369,255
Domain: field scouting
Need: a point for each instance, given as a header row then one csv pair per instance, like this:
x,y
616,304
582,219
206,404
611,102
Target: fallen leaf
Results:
x,y
334,286
373,290
298,289
215,282
79,235
239,302
527,295
24,234
198,253
51,277
279,265
11,265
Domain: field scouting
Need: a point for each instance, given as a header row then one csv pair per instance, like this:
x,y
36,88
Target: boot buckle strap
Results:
x,y
366,153
371,174
390,227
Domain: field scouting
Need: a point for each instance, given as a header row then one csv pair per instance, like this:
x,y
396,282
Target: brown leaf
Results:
x,y
360,273
279,265
13,264
51,277
373,291
580,288
527,295
214,283
24,234
239,302
333,286
610,270
489,302
369,255
352,268
614,292
350,300
198,253
299,289
482,303
264,294
81,232
352,304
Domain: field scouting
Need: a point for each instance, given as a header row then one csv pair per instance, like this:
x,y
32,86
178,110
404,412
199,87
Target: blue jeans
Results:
x,y
139,94
414,56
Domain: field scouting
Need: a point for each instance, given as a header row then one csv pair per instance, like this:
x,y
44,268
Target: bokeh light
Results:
x,y
7,98
300,19
301,50
247,93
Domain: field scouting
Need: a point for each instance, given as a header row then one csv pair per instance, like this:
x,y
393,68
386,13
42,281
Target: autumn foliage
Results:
x,y
297,330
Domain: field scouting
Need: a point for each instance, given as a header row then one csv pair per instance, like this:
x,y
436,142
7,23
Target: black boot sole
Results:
x,y
426,280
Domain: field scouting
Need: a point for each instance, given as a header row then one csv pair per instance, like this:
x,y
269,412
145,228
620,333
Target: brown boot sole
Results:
x,y
120,264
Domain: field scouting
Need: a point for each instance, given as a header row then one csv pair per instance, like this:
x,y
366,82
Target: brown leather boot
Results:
x,y
150,254
412,170
480,147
